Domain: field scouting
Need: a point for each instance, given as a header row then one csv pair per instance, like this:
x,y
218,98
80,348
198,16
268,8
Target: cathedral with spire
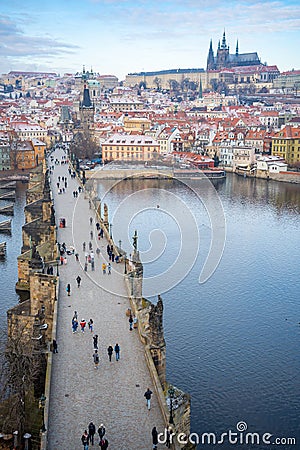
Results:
x,y
224,59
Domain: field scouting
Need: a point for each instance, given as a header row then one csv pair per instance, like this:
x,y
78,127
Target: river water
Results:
x,y
233,341
8,267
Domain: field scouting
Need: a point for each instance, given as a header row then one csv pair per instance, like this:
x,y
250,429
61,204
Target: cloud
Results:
x,y
15,43
199,18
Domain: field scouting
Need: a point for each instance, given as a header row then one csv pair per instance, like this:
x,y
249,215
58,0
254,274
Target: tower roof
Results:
x,y
86,102
224,41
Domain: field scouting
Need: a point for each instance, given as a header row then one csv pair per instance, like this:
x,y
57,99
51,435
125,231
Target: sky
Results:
x,y
122,36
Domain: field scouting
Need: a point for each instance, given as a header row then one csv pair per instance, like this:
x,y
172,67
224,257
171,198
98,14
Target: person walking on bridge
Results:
x,y
154,438
92,431
95,341
82,325
130,322
101,431
78,279
103,444
96,359
85,440
117,351
147,395
110,352
68,289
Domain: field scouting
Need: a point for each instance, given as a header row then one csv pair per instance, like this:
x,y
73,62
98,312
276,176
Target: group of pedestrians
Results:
x,y
82,324
110,351
88,436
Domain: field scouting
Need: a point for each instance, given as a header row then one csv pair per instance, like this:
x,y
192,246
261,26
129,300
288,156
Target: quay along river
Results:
x,y
233,341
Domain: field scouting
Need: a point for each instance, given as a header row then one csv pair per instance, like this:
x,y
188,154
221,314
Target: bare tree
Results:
x,y
83,146
22,365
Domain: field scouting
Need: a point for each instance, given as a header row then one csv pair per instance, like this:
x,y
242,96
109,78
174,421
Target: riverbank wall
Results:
x,y
34,319
282,177
152,173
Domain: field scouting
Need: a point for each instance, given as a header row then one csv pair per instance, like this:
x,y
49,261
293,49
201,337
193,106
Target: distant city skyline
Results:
x,y
121,36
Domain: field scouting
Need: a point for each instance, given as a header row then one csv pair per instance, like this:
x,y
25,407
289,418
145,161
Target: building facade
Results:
x,y
5,163
130,148
286,144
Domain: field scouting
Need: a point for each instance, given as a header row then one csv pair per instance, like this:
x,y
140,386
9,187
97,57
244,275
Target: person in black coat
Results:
x,y
101,431
154,437
110,352
92,431
147,395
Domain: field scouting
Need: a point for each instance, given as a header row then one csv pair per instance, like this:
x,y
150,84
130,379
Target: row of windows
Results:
x,y
126,155
286,141
31,133
280,148
141,149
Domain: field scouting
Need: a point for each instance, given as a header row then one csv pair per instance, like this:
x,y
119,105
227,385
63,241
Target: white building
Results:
x,y
243,157
271,164
226,154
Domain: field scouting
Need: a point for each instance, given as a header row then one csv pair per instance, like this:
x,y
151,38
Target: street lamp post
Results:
x,y
42,403
131,277
57,264
125,268
171,393
110,228
15,433
27,436
120,244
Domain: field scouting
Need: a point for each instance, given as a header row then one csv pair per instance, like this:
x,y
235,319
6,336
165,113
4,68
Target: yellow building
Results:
x,y
167,79
133,147
39,150
286,144
136,124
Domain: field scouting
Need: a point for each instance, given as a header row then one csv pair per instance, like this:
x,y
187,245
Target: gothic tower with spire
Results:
x,y
210,58
86,107
222,54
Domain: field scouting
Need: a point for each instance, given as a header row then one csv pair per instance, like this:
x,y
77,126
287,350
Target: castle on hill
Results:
x,y
224,59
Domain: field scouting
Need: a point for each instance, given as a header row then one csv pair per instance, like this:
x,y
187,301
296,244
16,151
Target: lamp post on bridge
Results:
x,y
110,230
27,436
125,268
57,264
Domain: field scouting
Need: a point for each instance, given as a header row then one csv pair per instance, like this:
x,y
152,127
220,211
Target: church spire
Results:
x,y
200,89
210,57
237,47
224,40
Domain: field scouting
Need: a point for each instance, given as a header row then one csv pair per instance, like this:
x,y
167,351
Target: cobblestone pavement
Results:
x,y
113,394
